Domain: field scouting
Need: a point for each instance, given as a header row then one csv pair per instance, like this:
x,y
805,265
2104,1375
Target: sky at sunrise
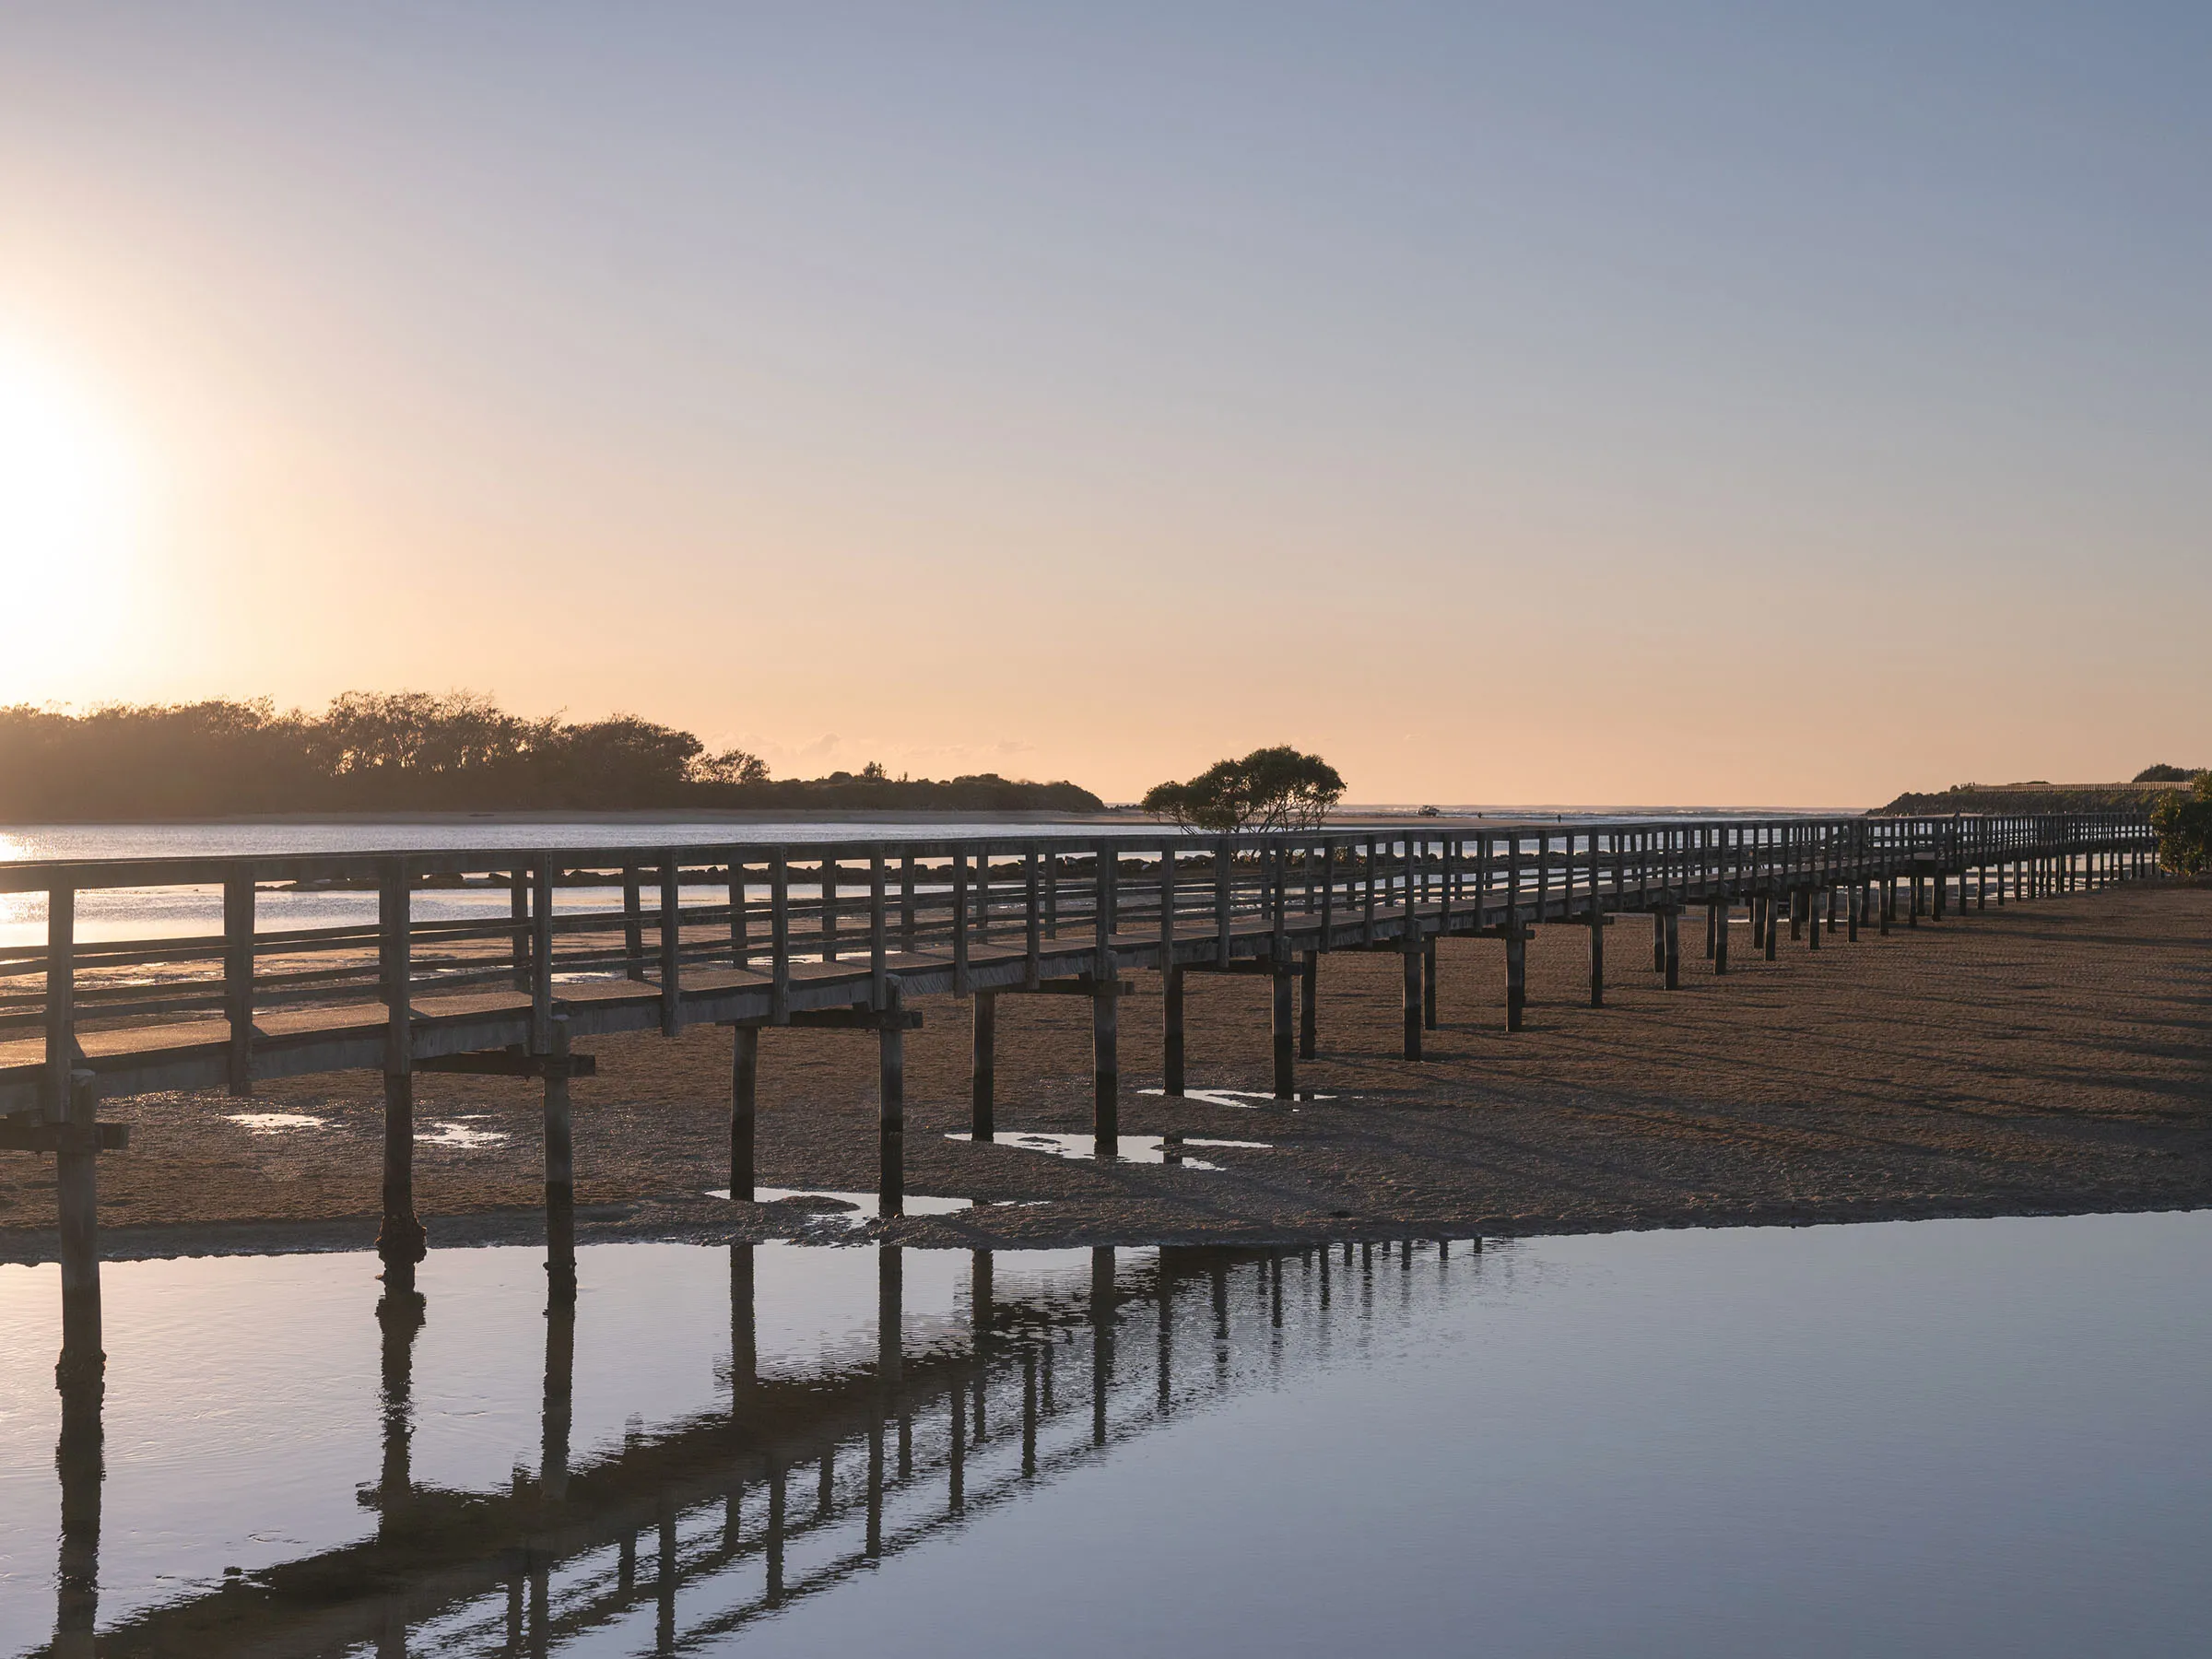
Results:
x,y
1567,403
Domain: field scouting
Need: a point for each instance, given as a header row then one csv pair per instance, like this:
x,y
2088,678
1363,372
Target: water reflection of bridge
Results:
x,y
714,1521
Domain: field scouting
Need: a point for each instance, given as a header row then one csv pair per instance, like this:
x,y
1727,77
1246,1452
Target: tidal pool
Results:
x,y
1929,1437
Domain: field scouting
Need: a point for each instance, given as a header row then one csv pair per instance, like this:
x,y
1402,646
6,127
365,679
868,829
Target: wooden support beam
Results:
x,y
1722,912
504,1062
1429,983
1671,946
858,1017
16,1134
1286,1037
560,1169
1309,1018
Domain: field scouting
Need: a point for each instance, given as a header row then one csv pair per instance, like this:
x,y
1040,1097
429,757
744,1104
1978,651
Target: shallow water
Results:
x,y
1927,1438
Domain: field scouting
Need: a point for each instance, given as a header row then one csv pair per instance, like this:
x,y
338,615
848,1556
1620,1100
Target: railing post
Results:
x,y
1224,854
740,955
541,956
960,924
633,925
778,936
1033,922
61,999
880,944
827,888
909,894
238,977
672,1006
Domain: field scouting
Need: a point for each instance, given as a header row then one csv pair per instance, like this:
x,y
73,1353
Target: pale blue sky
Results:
x,y
1565,402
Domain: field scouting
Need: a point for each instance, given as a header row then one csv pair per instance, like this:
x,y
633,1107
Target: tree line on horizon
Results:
x,y
420,752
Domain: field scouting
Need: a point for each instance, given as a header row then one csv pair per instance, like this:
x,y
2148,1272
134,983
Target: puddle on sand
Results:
x,y
1133,1148
276,1123
1244,1100
462,1133
854,1210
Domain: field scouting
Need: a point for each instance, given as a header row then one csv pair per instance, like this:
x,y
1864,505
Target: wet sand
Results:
x,y
2047,1058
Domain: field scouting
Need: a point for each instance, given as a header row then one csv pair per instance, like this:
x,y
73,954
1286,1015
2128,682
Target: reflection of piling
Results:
x,y
1101,1337
76,1194
745,1354
561,1373
78,1460
775,1534
401,1314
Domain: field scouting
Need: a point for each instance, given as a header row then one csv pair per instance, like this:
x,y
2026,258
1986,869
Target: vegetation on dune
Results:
x,y
1274,788
2162,773
420,751
2183,820
2036,796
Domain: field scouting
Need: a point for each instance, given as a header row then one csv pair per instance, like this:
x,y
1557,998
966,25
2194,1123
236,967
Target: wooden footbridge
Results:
x,y
845,936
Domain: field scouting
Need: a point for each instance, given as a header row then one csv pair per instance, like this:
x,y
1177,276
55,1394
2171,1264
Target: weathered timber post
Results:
x,y
1309,1017
982,1020
779,936
1774,927
1284,1033
1672,946
1801,900
890,1097
1659,940
672,991
633,925
561,1167
1885,903
400,1240
1105,1016
744,1082
1854,902
238,978
1813,906
1428,983
1516,973
1171,1032
82,1363
1597,947
1712,930
1719,911
1409,958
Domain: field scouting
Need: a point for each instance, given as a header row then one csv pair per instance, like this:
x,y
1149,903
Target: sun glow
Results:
x,y
70,498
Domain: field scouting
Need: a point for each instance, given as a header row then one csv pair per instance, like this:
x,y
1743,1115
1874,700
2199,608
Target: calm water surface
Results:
x,y
1946,1438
